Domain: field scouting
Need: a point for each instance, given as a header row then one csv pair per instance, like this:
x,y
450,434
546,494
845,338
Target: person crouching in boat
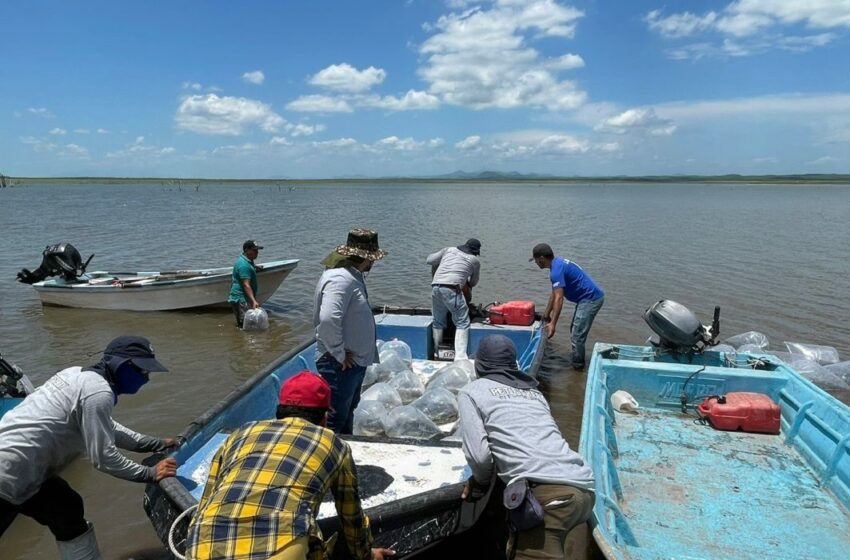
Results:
x,y
243,284
345,324
455,273
71,414
268,480
507,426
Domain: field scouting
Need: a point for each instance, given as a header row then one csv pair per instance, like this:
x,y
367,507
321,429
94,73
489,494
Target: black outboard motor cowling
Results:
x,y
678,329
62,260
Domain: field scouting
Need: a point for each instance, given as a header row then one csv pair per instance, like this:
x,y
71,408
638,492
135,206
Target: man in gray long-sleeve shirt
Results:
x,y
345,325
507,427
455,272
71,414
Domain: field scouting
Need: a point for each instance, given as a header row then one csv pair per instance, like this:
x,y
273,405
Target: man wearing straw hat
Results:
x,y
345,325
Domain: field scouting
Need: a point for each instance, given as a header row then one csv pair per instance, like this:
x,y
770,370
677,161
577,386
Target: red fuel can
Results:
x,y
513,313
749,412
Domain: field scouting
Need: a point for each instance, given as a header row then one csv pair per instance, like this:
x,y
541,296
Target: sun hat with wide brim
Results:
x,y
362,243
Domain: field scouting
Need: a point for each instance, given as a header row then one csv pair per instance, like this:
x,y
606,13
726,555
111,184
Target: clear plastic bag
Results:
x,y
452,377
369,418
751,349
409,422
382,393
786,357
408,385
371,376
841,369
818,374
399,347
255,320
467,365
390,363
749,337
439,404
821,354
728,348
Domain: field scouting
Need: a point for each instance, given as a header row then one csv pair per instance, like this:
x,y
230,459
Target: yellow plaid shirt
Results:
x,y
265,486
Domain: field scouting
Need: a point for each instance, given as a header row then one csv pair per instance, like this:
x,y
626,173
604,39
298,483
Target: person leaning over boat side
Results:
x,y
243,286
71,414
569,281
507,427
345,324
267,482
455,273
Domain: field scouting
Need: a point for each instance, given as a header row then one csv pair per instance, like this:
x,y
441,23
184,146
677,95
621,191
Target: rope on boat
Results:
x,y
180,517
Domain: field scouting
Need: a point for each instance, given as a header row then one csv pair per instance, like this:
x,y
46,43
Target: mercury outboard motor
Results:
x,y
58,260
13,382
678,329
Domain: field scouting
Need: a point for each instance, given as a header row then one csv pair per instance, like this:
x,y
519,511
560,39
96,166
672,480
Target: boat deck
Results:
x,y
760,500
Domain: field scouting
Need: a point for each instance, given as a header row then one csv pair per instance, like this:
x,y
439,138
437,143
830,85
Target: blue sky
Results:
x,y
377,88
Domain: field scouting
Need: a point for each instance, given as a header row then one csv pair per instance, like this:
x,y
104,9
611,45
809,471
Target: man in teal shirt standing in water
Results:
x,y
243,288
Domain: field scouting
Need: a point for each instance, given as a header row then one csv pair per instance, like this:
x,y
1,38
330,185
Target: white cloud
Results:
x,y
279,141
256,77
754,26
302,129
469,143
344,77
195,86
58,132
38,144
412,100
825,160
82,131
337,143
480,58
319,104
74,151
435,142
139,150
641,119
211,114
102,131
756,107
40,112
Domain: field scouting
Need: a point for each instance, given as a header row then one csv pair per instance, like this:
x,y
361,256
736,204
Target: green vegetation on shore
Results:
x,y
483,177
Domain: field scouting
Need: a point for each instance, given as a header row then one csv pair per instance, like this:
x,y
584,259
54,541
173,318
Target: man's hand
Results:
x,y
171,443
255,304
380,553
348,361
258,267
473,490
166,468
550,330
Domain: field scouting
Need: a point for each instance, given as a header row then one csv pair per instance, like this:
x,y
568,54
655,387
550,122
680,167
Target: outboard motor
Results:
x,y
678,329
58,260
13,382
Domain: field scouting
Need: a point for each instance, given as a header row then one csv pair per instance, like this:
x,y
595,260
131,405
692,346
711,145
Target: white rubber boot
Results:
x,y
461,342
83,547
438,339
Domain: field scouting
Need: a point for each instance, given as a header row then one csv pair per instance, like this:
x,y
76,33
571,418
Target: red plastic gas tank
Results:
x,y
750,412
513,313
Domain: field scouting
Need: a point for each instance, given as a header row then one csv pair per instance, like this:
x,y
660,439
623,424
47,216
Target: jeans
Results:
x,y
446,300
345,392
582,320
564,508
239,308
55,505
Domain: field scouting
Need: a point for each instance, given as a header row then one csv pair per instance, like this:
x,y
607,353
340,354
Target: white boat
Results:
x,y
156,291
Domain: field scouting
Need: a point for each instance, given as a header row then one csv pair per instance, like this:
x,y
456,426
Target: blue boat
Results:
x,y
668,485
410,488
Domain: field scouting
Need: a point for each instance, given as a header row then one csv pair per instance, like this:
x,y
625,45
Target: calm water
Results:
x,y
773,257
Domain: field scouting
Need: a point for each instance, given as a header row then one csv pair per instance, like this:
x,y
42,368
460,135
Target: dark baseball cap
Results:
x,y
541,250
136,349
251,244
474,245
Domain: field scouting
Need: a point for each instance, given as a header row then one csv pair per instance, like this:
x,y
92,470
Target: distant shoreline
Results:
x,y
825,179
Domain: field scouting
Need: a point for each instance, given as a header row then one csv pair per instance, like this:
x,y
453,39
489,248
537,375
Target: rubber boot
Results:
x,y
438,339
461,341
83,547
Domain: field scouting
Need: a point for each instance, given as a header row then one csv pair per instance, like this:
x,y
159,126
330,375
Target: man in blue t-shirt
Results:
x,y
571,282
243,285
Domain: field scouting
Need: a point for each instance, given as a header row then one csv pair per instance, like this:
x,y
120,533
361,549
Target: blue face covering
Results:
x,y
128,379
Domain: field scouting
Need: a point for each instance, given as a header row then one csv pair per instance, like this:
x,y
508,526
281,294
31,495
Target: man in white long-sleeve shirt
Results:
x,y
70,415
455,271
507,428
345,325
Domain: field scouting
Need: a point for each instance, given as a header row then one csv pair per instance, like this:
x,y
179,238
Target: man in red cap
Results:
x,y
267,482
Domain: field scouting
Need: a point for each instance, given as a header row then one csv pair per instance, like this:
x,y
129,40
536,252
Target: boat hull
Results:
x,y
669,485
403,516
207,289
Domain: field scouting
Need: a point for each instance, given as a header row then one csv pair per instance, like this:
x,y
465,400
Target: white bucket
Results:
x,y
624,402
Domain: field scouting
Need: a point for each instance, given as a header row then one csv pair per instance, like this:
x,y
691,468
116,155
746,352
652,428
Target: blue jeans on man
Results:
x,y
583,317
445,300
345,392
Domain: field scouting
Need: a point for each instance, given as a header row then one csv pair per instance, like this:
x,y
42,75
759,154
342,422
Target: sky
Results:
x,y
329,89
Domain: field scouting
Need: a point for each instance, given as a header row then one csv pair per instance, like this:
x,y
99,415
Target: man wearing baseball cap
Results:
x,y
70,415
243,285
267,482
